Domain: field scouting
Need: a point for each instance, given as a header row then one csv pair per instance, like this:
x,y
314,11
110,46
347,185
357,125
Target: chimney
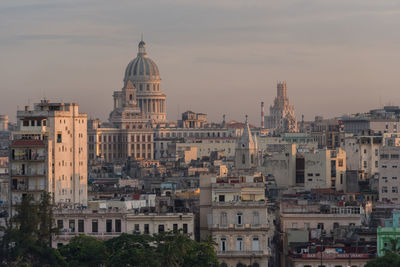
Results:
x,y
262,114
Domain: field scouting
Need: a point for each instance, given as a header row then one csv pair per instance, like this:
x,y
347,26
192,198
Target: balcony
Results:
x,y
36,158
240,203
25,187
239,227
28,173
243,253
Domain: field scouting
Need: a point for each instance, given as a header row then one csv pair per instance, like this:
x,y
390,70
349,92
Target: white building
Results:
x,y
49,153
109,223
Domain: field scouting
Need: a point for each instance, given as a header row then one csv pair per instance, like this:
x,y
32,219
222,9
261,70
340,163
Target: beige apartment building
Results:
x,y
362,153
234,211
389,171
49,153
306,168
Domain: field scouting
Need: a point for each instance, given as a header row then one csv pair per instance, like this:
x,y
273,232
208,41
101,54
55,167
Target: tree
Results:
x,y
85,251
389,259
21,244
132,250
391,256
46,221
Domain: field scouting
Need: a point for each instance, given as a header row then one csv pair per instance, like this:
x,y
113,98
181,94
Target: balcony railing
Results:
x,y
240,203
26,158
27,173
90,233
246,226
243,253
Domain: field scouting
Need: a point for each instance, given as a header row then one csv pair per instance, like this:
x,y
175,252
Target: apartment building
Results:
x,y
49,153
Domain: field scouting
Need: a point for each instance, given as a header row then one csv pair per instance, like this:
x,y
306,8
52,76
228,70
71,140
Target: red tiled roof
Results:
x,y
25,143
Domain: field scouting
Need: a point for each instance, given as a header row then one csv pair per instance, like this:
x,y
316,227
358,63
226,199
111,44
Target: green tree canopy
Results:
x,y
85,251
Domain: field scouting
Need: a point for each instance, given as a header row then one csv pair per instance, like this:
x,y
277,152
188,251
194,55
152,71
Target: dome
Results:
x,y
142,68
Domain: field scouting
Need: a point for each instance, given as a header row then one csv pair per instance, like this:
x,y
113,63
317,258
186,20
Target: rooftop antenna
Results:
x,y
141,37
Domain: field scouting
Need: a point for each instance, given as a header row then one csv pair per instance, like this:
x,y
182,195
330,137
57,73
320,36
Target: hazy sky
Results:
x,y
215,56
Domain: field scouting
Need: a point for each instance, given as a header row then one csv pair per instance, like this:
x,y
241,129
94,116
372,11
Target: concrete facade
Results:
x,y
49,153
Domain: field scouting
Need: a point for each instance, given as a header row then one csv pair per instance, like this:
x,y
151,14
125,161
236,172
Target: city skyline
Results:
x,y
335,52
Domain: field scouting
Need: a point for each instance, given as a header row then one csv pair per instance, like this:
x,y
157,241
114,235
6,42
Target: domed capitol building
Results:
x,y
138,108
143,73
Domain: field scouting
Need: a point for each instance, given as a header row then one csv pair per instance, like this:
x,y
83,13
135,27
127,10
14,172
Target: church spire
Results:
x,y
246,136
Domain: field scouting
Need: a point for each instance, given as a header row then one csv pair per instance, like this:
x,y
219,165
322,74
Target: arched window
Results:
x,y
243,159
252,159
130,97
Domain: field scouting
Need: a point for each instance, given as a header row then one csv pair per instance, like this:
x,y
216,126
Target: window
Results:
x,y
109,226
72,225
161,228
175,227
95,226
320,226
256,218
185,228
394,189
221,198
25,123
118,226
224,219
384,189
307,225
255,244
60,224
341,178
223,244
81,226
59,138
137,228
394,177
239,218
376,164
365,164
340,162
376,152
146,229
239,244
394,166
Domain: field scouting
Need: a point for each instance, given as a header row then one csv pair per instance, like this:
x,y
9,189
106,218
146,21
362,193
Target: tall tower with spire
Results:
x,y
281,115
246,150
